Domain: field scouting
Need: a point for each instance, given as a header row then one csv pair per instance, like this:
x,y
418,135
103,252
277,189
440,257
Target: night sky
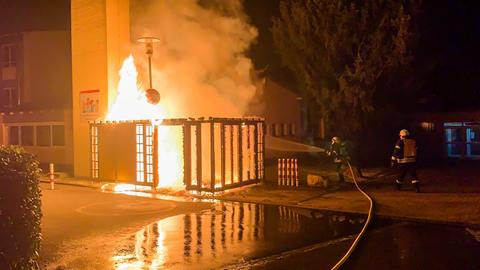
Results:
x,y
34,15
448,53
446,59
446,62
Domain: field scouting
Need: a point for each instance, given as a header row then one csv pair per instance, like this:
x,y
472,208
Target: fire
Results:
x,y
131,104
170,159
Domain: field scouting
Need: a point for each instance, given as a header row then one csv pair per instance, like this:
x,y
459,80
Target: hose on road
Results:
x,y
362,232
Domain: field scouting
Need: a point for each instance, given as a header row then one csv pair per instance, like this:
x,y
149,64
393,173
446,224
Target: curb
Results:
x,y
68,184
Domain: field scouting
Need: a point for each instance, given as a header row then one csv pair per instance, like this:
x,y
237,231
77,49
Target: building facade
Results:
x,y
281,109
35,95
452,135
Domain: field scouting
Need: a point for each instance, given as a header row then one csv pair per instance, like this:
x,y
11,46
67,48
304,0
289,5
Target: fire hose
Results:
x,y
362,232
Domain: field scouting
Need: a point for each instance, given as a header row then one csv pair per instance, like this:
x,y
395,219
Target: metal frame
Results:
x,y
236,134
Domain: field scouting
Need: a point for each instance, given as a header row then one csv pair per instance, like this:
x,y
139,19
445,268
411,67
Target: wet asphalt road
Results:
x,y
81,226
246,236
250,236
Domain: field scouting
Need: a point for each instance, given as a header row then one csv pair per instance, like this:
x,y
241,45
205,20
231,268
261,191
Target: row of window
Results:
x,y
8,97
281,129
33,135
8,55
462,139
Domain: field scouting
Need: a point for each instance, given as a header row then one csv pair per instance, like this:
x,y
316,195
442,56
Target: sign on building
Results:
x,y
89,104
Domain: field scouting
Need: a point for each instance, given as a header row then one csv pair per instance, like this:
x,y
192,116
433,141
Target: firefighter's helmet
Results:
x,y
404,132
336,139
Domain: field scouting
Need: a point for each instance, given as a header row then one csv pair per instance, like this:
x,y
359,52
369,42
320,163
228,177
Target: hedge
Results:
x,y
20,209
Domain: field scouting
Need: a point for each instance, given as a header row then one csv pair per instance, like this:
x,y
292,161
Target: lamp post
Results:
x,y
152,95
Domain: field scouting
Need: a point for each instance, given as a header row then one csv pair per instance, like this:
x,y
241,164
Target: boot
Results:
x,y
416,185
398,184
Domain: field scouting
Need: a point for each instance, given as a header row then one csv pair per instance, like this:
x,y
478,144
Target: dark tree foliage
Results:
x,y
20,209
347,56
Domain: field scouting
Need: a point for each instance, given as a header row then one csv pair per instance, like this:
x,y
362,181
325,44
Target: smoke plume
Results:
x,y
199,66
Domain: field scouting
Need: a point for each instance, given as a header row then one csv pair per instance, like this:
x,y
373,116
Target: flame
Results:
x,y
131,104
170,159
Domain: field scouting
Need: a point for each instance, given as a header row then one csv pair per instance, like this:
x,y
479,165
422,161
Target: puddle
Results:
x,y
230,233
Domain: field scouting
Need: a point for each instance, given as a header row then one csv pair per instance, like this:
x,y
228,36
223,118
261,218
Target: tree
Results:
x,y
344,54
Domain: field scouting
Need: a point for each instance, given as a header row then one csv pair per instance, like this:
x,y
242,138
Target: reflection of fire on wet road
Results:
x,y
229,233
210,234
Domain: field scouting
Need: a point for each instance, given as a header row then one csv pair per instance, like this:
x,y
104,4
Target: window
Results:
x,y
46,135
427,126
26,133
8,55
13,136
454,141
473,141
58,135
292,129
8,96
285,130
43,136
272,129
140,153
473,134
462,139
278,129
453,135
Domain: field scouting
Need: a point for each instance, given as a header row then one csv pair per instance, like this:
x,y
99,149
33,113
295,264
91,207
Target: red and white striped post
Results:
x,y
296,172
287,172
279,171
52,176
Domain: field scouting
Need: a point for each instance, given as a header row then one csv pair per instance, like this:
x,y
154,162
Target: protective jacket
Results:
x,y
405,151
338,151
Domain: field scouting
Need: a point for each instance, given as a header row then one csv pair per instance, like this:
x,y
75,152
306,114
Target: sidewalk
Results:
x,y
447,196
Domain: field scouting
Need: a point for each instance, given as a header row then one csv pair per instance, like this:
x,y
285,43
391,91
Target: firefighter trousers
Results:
x,y
407,169
338,169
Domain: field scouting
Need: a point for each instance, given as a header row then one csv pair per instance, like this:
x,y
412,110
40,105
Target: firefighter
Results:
x,y
405,157
338,151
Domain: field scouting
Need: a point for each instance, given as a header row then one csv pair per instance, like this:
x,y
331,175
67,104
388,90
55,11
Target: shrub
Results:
x,y
20,209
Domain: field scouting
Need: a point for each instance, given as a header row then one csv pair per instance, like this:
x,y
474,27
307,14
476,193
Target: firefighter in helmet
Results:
x,y
338,151
405,157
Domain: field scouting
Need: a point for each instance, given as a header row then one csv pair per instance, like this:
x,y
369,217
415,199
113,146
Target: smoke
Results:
x,y
199,66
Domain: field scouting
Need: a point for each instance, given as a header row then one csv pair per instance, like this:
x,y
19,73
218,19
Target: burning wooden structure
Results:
x,y
215,154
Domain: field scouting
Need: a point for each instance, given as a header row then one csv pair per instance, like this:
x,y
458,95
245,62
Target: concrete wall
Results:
x,y
46,68
100,31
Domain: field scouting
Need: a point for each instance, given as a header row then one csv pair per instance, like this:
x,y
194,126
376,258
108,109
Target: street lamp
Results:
x,y
153,96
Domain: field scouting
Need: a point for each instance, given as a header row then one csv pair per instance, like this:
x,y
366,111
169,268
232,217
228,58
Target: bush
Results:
x,y
20,209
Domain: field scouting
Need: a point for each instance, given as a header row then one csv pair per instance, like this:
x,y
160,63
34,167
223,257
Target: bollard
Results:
x,y
287,172
279,175
52,176
296,172
290,172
